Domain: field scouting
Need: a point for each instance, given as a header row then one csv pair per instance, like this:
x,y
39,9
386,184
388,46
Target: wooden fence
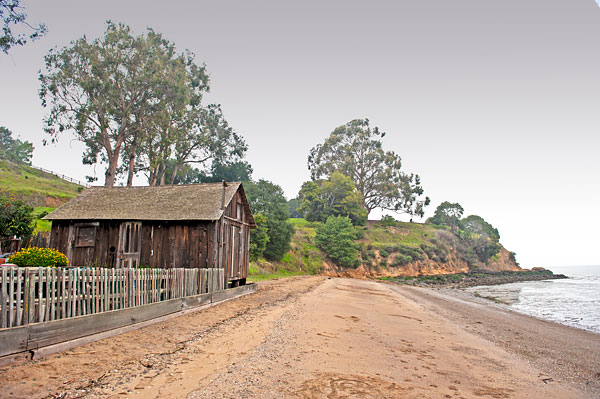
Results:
x,y
67,178
38,294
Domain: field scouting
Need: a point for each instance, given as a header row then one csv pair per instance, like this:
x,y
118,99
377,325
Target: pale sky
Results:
x,y
495,104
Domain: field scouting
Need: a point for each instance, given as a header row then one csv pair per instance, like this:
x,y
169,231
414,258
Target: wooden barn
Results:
x,y
183,226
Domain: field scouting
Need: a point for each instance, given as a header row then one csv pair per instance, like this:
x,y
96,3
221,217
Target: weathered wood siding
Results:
x,y
235,241
170,244
163,244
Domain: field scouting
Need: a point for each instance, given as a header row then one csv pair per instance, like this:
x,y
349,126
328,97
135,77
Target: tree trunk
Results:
x,y
113,156
111,171
174,174
162,175
131,170
152,178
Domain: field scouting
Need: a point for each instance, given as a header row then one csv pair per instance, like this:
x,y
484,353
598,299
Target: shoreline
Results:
x,y
561,351
318,338
495,302
475,278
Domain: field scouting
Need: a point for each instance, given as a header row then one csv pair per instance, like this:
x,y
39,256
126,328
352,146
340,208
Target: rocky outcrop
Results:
x,y
502,262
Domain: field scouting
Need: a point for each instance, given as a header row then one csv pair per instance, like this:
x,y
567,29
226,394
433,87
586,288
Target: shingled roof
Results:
x,y
172,202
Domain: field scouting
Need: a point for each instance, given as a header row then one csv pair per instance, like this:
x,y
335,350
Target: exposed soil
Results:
x,y
306,337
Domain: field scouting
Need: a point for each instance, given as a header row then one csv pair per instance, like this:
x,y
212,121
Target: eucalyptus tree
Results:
x,y
99,88
355,150
12,13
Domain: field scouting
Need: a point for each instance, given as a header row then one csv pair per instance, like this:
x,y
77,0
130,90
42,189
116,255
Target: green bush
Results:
x,y
401,260
336,238
16,218
39,257
388,221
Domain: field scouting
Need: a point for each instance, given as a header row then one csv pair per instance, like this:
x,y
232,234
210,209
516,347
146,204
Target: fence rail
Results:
x,y
38,294
67,178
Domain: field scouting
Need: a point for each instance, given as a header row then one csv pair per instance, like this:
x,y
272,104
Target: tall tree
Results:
x,y
109,90
355,149
12,13
14,150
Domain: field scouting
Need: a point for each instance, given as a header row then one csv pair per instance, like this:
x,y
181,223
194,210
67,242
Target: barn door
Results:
x,y
130,241
235,242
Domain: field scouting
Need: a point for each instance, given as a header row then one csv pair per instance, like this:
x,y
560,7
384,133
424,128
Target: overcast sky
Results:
x,y
496,104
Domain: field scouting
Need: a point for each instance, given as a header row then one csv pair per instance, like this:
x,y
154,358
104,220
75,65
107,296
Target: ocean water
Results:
x,y
574,301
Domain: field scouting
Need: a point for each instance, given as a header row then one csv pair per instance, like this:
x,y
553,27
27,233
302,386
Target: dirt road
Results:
x,y
296,338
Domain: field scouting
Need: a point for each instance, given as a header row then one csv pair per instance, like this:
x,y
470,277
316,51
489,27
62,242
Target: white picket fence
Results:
x,y
37,294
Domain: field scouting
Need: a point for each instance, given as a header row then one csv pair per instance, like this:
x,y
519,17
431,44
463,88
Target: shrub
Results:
x,y
384,253
388,221
336,238
40,257
16,218
401,260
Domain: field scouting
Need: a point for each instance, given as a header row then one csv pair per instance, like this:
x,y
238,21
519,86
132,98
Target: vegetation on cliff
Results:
x,y
409,249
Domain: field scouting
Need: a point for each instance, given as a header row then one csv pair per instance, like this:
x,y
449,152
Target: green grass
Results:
x,y
273,275
405,234
24,181
42,225
258,273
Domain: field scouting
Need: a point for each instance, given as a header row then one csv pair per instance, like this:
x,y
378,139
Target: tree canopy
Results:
x,y
228,171
355,150
14,150
12,15
137,106
477,225
335,196
447,214
267,199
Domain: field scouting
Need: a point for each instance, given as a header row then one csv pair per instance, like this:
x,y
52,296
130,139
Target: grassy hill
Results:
x,y
409,249
44,191
35,187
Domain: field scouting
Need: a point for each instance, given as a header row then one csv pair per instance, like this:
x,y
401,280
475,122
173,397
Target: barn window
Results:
x,y
239,211
86,236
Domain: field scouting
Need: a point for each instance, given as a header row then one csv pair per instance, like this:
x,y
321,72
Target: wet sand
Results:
x,y
562,352
299,338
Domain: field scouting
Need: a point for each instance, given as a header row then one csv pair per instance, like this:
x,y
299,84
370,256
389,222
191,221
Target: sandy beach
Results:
x,y
314,337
